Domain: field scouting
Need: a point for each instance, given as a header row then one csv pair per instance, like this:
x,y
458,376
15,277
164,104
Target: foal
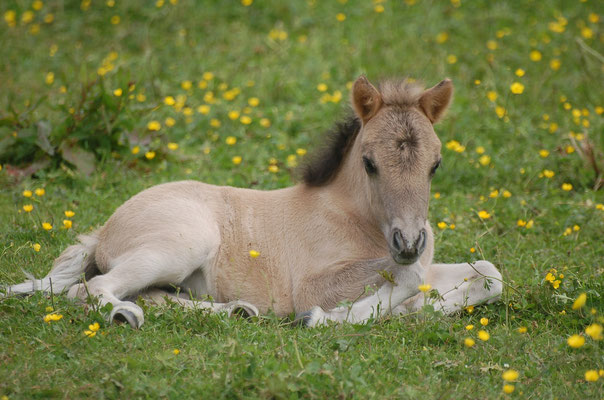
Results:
x,y
355,228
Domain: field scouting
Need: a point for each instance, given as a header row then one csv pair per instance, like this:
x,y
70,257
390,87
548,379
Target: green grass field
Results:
x,y
105,98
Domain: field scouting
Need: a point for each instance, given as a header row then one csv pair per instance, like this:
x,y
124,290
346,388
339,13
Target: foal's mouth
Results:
x,y
404,260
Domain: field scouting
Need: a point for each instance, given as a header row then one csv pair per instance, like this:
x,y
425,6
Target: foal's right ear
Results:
x,y
435,101
366,99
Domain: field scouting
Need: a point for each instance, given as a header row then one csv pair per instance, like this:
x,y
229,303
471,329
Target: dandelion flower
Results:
x,y
591,375
484,214
265,122
517,88
469,327
594,331
50,78
470,309
245,120
215,123
555,64
535,55
169,101
37,248
47,226
510,375
576,341
27,193
484,160
40,192
118,92
170,122
580,301
176,351
28,207
69,213
424,287
380,9
519,72
236,160
567,187
508,389
469,342
483,335
451,59
48,318
150,155
522,329
543,153
135,150
186,85
67,223
254,253
230,140
154,126
442,225
507,194
173,146
321,87
484,321
548,173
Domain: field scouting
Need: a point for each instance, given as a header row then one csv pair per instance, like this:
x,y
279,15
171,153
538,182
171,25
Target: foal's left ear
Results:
x,y
434,101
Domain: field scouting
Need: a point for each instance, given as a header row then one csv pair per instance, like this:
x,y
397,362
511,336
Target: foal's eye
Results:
x,y
369,166
434,168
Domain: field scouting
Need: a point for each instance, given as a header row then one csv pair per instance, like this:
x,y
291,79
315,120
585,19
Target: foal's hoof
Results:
x,y
241,308
308,319
121,314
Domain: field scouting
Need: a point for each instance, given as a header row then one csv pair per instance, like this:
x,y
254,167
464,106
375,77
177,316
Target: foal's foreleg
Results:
x,y
159,297
459,286
407,278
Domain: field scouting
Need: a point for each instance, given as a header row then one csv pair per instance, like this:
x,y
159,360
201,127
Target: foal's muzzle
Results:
x,y
405,251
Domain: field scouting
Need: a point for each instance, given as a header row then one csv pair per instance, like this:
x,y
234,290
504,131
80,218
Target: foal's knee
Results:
x,y
485,270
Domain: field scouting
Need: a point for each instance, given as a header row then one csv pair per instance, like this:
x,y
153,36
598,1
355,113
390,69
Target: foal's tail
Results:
x,y
75,262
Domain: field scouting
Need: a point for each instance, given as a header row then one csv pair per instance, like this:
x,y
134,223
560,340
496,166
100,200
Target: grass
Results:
x,y
280,52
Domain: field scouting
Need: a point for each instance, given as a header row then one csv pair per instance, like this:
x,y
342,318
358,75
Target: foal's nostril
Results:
x,y
421,242
398,243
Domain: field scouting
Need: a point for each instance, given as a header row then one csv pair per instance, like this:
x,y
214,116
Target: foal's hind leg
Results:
x,y
131,273
459,285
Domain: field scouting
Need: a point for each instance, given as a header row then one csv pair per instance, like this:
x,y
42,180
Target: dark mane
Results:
x,y
325,163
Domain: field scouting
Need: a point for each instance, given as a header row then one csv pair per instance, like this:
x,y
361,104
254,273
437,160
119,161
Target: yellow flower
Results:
x,y
69,213
37,248
437,195
90,334
452,226
115,19
442,225
273,168
555,64
543,153
233,114
378,8
245,120
94,327
576,341
594,331
154,126
480,150
567,187
28,207
451,58
135,150
519,72
591,375
522,329
469,327
494,194
40,192
469,342
265,122
170,122
424,287
556,285
236,160
321,87
569,149
483,335
492,95
470,309
500,111
141,97
535,55
517,88
484,321
48,318
50,78
169,101
176,351
340,17
230,140
46,226
27,193
484,214
491,45
484,160
510,375
508,389
215,123
507,194
117,92
548,173
254,253
172,146
580,301
67,223
186,85
150,155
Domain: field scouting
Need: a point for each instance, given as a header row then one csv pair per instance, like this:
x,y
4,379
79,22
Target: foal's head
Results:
x,y
400,153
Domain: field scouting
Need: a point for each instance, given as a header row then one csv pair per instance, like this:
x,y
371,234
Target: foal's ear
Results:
x,y
366,99
434,101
